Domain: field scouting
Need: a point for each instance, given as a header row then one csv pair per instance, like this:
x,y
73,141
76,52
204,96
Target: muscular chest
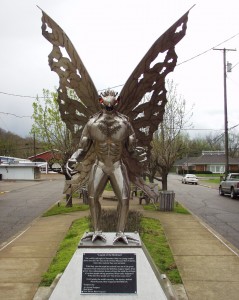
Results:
x,y
109,129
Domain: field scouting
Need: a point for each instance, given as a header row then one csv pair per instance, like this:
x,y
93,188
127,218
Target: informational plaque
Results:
x,y
109,273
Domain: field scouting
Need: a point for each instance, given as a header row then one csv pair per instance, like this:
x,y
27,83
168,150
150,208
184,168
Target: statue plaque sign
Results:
x,y
109,273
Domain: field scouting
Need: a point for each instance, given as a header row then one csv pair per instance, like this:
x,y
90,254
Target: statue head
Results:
x,y
108,100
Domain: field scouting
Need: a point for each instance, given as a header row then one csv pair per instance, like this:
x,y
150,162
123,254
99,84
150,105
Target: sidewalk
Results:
x,y
209,269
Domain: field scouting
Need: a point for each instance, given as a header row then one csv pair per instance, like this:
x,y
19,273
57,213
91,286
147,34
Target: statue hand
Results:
x,y
70,165
140,154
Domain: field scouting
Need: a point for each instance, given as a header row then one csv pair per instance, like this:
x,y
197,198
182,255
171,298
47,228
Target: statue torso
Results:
x,y
109,133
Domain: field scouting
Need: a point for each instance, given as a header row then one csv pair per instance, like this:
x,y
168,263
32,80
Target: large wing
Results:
x,y
77,95
143,97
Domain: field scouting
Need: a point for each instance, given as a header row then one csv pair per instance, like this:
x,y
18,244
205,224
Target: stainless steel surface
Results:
x,y
109,243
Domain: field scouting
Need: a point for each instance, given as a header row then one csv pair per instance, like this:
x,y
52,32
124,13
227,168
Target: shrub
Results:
x,y
109,220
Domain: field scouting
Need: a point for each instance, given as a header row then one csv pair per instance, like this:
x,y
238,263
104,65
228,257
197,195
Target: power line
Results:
x,y
4,123
4,113
204,52
22,96
191,129
235,65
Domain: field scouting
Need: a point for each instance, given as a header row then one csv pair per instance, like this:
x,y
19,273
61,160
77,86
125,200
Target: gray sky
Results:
x,y
111,37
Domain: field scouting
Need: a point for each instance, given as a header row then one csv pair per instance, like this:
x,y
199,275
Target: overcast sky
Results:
x,y
111,37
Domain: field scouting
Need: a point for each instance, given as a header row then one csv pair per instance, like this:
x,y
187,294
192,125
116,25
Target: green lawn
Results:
x,y
209,178
151,232
178,208
213,180
66,250
153,237
60,208
208,175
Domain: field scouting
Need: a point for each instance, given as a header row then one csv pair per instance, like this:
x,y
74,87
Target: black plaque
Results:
x,y
109,273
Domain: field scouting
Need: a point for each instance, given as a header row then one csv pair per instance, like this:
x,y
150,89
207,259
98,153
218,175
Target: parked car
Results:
x,y
230,185
190,178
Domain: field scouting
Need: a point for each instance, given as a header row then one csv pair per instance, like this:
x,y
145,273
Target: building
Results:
x,y
212,161
46,157
12,168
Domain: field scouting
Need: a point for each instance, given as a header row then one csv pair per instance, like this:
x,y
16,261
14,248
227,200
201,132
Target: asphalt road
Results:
x,y
23,201
220,213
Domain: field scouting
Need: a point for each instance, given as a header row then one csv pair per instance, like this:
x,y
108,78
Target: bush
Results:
x,y
184,172
109,220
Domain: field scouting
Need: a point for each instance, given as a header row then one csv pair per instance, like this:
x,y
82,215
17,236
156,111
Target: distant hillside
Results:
x,y
12,144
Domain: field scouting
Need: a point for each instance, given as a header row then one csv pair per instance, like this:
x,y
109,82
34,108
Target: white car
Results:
x,y
190,178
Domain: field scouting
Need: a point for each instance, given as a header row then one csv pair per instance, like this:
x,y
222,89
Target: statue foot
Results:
x,y
96,235
125,238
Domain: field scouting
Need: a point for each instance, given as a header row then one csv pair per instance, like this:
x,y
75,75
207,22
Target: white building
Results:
x,y
12,168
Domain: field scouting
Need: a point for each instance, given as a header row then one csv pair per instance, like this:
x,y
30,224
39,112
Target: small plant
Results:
x,y
59,209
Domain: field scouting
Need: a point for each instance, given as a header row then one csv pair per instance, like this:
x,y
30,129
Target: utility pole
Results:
x,y
34,146
225,108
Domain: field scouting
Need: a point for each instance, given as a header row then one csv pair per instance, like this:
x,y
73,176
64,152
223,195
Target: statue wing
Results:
x,y
143,97
77,95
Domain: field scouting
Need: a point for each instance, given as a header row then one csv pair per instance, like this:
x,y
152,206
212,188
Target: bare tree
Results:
x,y
169,143
234,144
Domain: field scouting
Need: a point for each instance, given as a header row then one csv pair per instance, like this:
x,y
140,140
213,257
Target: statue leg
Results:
x,y
121,186
97,182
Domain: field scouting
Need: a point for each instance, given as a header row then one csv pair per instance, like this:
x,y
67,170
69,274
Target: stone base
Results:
x,y
149,284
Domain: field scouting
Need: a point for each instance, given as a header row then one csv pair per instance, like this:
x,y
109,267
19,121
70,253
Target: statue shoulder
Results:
x,y
123,117
94,117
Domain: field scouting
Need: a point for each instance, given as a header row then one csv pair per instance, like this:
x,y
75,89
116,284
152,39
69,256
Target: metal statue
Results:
x,y
114,133
109,133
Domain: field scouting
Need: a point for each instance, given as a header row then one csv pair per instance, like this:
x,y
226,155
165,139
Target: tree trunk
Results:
x,y
152,176
68,196
164,181
68,200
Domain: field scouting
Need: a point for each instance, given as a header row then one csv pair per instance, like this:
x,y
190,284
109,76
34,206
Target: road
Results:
x,y
23,201
220,213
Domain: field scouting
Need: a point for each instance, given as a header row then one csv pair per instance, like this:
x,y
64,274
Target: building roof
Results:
x,y
207,159
46,155
215,159
185,161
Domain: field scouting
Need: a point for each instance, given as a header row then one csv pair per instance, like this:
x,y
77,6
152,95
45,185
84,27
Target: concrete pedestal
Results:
x,y
148,282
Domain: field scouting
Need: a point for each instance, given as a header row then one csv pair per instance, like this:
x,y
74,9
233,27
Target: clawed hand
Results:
x,y
69,167
125,238
94,236
140,154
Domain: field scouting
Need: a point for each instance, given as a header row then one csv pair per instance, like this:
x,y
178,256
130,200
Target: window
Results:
x,y
216,168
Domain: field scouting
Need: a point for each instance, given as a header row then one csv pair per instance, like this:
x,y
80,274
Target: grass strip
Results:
x,y
178,208
152,235
156,243
58,209
66,250
212,180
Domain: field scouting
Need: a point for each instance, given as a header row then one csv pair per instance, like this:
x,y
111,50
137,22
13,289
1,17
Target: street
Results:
x,y
220,213
23,201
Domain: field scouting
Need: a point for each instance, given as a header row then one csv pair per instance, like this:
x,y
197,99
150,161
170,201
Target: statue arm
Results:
x,y
84,145
137,152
